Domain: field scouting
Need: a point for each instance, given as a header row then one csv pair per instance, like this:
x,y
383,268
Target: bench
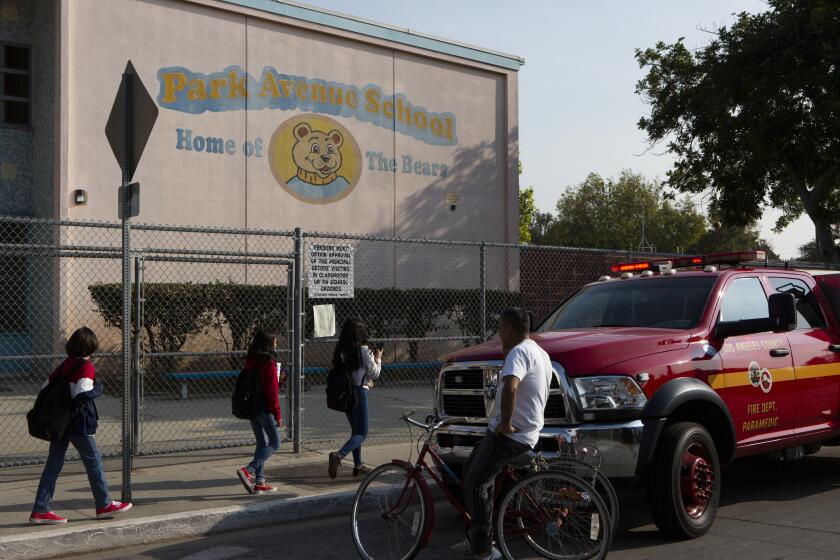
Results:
x,y
184,378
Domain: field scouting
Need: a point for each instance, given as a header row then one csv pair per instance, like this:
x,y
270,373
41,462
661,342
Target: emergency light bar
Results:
x,y
691,261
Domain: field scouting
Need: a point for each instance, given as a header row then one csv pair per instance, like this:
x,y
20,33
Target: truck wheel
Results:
x,y
683,484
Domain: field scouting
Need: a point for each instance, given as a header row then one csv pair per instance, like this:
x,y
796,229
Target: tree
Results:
x,y
754,117
730,239
609,215
527,213
540,227
808,252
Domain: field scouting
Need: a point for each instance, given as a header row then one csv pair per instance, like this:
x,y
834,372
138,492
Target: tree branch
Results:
x,y
823,182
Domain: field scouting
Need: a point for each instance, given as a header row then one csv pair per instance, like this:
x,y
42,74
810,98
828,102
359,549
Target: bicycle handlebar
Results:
x,y
407,414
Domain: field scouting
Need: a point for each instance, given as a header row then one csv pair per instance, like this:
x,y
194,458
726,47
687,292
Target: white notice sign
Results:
x,y
330,271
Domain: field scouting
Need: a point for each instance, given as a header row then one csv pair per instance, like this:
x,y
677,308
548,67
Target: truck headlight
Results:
x,y
609,393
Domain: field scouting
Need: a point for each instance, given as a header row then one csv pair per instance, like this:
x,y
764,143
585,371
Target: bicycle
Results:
x,y
553,514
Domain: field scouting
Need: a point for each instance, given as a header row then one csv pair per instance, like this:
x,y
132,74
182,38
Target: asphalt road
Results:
x,y
769,511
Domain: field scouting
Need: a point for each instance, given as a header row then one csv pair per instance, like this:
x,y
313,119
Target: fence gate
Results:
x,y
197,307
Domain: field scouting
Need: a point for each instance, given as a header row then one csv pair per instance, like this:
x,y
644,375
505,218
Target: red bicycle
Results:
x,y
540,511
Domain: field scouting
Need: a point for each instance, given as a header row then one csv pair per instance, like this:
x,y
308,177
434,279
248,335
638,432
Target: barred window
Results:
x,y
15,84
13,280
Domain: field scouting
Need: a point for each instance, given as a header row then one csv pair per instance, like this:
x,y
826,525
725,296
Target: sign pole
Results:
x,y
125,90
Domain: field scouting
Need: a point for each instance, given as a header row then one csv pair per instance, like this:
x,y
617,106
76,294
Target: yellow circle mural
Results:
x,y
315,158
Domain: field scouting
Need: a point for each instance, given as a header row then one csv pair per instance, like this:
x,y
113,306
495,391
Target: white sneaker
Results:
x,y
495,554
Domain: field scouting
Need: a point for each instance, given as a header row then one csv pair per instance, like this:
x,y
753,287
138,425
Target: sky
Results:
x,y
577,103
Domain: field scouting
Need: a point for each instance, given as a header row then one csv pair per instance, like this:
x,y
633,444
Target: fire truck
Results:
x,y
671,368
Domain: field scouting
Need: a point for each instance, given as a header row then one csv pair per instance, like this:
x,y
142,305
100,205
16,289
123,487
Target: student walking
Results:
x,y
352,353
261,357
81,376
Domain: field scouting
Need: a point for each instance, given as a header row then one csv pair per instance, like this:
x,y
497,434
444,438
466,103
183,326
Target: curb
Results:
x,y
159,528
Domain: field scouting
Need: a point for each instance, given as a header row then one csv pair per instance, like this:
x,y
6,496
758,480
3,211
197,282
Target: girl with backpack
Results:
x,y
261,357
81,376
353,353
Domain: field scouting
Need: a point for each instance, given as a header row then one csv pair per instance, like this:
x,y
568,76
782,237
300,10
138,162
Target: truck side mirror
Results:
x,y
783,312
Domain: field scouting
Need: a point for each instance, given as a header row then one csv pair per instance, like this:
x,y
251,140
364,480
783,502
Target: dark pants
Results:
x,y
488,458
268,442
358,419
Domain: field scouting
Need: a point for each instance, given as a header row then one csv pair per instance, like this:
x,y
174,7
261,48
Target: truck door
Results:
x,y
817,367
758,377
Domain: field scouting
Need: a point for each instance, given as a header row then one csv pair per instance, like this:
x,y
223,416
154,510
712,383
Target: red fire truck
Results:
x,y
671,368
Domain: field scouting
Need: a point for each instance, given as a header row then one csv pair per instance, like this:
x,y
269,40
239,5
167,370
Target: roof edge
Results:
x,y
384,31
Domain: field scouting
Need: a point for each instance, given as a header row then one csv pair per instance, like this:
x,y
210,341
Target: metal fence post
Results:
x,y
290,366
298,310
483,284
126,290
137,378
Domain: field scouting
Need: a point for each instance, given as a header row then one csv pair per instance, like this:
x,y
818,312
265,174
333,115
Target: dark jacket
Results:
x,y
83,390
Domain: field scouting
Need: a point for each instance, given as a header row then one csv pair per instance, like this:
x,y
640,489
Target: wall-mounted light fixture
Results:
x,y
452,199
80,196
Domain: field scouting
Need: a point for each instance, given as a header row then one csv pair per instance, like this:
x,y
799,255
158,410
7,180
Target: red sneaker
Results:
x,y
264,488
247,479
48,518
112,509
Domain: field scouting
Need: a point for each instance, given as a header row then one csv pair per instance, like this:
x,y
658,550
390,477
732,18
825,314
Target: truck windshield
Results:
x,y
665,303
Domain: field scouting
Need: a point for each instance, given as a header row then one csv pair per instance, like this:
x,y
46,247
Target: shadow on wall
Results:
x,y
479,176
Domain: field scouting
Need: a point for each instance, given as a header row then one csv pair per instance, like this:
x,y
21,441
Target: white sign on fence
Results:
x,y
330,271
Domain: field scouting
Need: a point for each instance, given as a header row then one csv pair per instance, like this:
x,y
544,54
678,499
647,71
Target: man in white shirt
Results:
x,y
521,396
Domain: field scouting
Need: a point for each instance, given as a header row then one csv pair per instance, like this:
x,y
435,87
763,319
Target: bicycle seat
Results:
x,y
524,459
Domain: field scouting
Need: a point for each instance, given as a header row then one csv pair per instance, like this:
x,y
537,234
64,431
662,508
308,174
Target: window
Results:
x,y
808,314
662,302
14,85
744,299
13,281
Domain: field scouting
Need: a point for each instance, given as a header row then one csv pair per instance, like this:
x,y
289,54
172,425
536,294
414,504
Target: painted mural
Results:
x,y
234,89
315,158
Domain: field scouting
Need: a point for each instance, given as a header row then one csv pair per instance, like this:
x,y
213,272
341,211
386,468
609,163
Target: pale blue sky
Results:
x,y
579,55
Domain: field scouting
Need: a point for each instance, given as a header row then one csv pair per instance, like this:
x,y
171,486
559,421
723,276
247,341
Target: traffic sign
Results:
x,y
130,129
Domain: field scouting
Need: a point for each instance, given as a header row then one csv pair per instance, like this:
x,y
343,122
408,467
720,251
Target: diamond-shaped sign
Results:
x,y
142,114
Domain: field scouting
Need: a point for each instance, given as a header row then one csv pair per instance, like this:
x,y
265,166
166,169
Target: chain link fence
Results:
x,y
197,295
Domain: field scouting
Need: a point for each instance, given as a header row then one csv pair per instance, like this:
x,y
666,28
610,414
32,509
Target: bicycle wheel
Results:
x,y
598,481
555,515
388,515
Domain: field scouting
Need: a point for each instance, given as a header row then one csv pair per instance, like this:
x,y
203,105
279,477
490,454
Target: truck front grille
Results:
x,y
470,406
555,407
463,379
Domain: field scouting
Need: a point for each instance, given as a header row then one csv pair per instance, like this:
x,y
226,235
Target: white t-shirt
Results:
x,y
532,366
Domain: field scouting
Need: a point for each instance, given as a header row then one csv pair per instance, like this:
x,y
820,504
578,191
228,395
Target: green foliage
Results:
x,y
527,213
608,215
174,312
729,239
752,117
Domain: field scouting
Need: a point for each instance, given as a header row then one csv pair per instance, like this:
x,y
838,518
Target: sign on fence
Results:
x,y
330,271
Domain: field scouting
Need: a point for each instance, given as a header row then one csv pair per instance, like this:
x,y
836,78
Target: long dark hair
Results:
x,y
348,351
262,346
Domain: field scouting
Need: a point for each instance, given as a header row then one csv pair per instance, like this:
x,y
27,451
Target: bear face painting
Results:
x,y
317,156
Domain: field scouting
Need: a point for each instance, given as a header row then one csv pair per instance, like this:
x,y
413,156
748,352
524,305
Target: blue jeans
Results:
x,y
92,459
268,442
358,419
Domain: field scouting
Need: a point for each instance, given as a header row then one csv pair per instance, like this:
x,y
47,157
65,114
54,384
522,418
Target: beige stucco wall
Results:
x,y
187,187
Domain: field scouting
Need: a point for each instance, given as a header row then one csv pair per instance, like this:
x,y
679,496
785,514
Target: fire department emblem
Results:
x,y
760,377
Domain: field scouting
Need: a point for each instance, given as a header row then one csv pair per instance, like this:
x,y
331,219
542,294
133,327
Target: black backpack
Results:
x,y
247,401
340,393
54,408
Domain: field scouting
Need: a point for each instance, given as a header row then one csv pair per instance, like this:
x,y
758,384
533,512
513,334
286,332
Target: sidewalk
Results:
x,y
175,496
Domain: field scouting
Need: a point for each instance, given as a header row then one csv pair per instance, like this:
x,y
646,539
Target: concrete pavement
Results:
x,y
174,497
769,510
